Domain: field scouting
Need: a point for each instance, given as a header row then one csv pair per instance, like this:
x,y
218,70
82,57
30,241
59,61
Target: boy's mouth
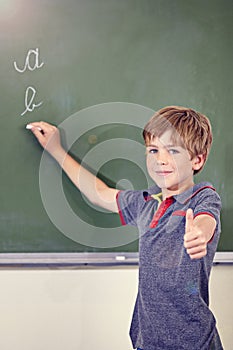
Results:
x,y
163,172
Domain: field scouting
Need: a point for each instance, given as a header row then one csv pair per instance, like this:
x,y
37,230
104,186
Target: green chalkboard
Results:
x,y
98,69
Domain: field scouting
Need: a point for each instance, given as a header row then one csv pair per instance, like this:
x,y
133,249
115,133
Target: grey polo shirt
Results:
x,y
171,310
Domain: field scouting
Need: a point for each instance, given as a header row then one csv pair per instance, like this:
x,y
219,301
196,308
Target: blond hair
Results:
x,y
190,129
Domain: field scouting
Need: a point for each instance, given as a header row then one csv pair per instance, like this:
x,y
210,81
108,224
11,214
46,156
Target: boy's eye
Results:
x,y
173,151
152,150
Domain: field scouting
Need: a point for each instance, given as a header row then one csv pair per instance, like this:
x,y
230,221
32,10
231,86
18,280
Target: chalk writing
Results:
x,y
30,106
32,62
29,65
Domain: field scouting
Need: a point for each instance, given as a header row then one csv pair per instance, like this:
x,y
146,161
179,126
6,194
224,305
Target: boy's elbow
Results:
x,y
106,199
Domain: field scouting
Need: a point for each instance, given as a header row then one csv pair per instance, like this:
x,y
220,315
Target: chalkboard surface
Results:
x,y
98,69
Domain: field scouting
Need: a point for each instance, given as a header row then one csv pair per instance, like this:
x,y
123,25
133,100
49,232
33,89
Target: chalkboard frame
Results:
x,y
83,57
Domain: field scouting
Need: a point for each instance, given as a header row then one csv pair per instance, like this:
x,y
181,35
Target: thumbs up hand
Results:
x,y
195,240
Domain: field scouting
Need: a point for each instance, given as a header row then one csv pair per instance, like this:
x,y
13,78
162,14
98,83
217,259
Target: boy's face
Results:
x,y
170,166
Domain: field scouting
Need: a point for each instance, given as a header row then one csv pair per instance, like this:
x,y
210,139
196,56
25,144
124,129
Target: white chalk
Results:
x,y
29,127
120,258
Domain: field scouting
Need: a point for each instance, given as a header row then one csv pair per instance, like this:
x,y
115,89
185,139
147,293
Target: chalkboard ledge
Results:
x,y
72,260
65,260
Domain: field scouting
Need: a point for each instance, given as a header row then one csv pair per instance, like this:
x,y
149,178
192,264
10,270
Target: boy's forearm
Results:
x,y
206,224
90,185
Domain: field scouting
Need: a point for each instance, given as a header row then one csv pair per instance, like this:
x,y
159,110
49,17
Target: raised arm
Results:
x,y
91,186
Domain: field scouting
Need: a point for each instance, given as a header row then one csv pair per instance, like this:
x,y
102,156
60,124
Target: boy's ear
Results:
x,y
198,161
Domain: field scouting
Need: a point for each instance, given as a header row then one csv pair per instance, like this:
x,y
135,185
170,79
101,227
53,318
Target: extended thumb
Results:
x,y
189,219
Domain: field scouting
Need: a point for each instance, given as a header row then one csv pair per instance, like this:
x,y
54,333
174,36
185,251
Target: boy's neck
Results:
x,y
166,192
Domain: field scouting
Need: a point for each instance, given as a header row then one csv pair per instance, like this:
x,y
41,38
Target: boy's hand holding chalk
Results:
x,y
30,126
47,135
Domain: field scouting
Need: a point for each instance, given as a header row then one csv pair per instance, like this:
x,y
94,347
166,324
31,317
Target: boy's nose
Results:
x,y
162,159
161,162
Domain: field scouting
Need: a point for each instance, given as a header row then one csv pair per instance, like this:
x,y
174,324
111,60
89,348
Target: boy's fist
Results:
x,y
194,239
47,135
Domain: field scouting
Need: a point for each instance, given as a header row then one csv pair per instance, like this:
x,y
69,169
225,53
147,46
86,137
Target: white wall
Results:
x,y
85,309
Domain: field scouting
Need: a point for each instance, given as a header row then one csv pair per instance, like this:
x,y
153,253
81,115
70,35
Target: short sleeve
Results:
x,y
129,203
208,203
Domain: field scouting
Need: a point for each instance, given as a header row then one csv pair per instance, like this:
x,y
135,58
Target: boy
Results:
x,y
178,223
